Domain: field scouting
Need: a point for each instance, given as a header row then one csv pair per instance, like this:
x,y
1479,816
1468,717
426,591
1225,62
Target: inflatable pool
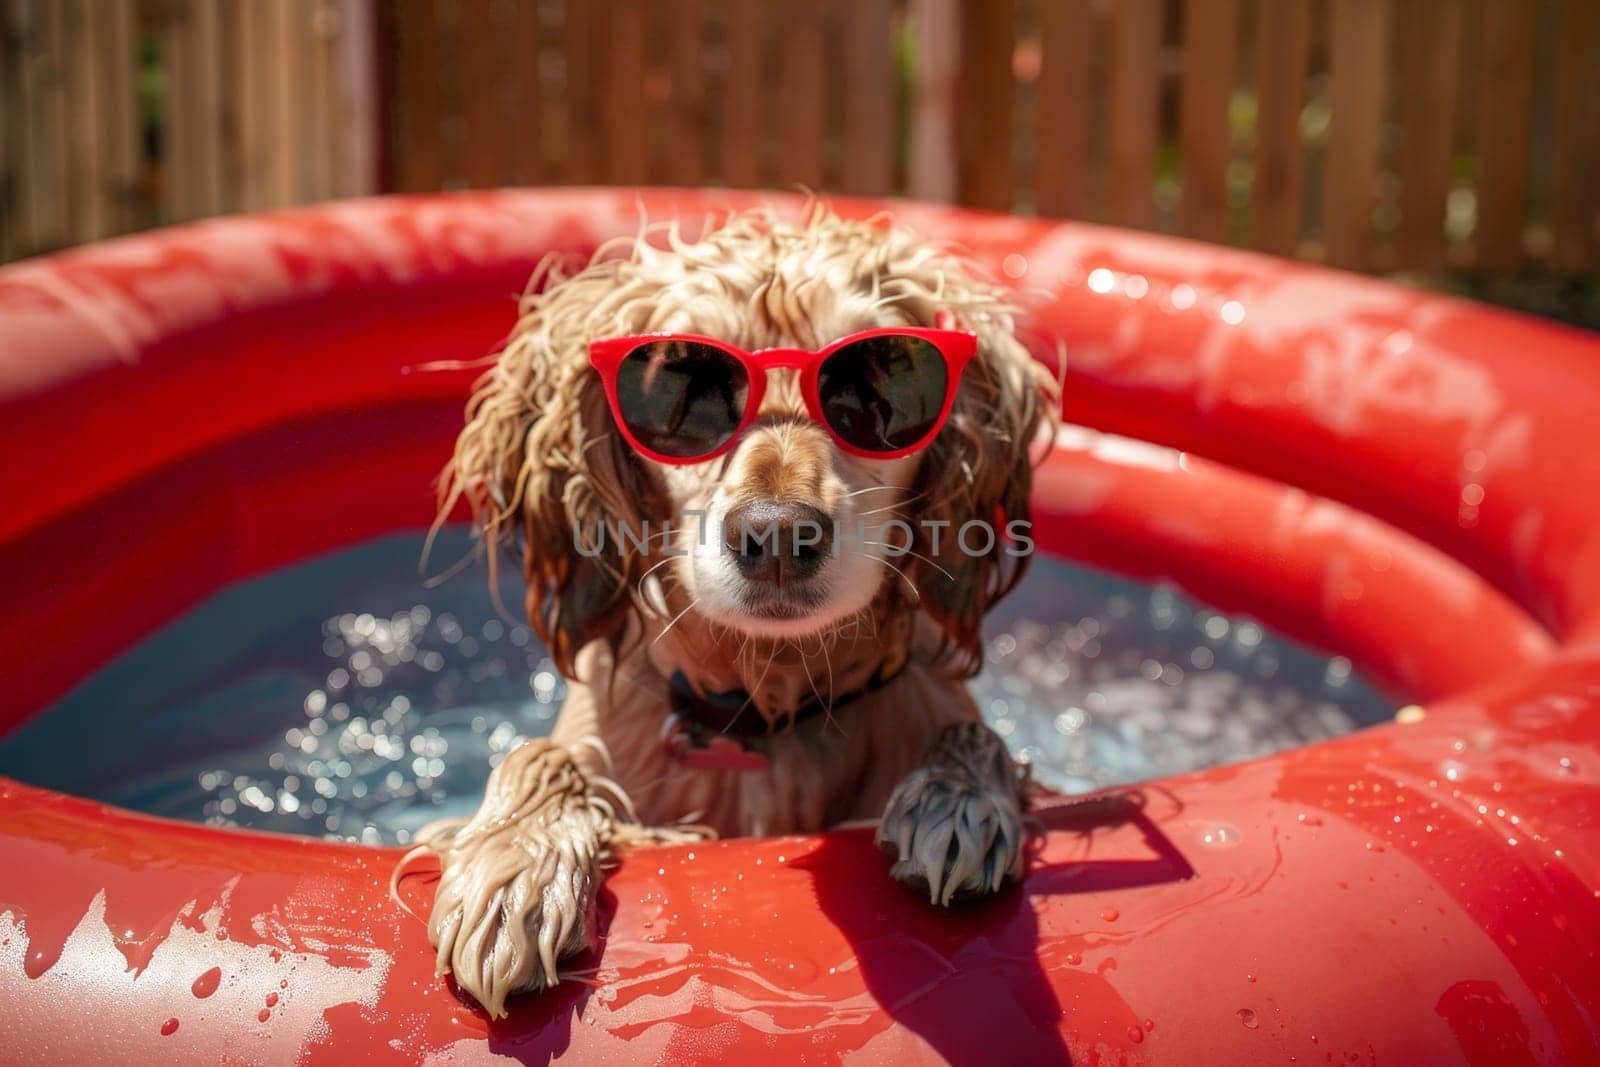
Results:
x,y
1400,478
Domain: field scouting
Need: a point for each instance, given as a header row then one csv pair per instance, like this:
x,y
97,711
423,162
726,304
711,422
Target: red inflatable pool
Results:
x,y
1405,479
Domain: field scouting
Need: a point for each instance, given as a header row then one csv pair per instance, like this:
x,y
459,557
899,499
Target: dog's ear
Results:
x,y
540,462
978,470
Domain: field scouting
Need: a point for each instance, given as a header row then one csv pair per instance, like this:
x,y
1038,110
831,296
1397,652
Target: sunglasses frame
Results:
x,y
957,347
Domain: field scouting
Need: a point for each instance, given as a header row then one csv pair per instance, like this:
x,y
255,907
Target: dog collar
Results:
x,y
717,731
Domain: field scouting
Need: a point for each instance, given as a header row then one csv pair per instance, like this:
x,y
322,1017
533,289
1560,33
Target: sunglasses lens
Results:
x,y
682,398
885,393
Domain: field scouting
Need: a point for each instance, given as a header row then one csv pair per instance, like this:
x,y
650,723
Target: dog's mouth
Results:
x,y
791,604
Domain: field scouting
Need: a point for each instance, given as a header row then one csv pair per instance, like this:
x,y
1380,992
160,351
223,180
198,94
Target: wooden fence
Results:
x,y
121,114
1421,135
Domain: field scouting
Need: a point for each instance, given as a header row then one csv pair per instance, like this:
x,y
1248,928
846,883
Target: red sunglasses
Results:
x,y
682,398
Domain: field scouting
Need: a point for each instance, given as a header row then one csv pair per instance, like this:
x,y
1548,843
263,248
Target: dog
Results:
x,y
721,464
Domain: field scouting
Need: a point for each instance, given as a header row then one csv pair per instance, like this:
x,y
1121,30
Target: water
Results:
x,y
341,697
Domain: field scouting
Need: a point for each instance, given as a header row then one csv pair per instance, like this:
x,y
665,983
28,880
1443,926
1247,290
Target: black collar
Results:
x,y
716,729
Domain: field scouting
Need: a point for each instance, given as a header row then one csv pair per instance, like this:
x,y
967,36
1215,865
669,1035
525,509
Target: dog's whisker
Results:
x,y
919,555
751,698
653,568
675,620
888,507
827,708
876,488
909,584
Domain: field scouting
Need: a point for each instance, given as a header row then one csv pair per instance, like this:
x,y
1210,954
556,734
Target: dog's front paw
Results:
x,y
517,883
954,827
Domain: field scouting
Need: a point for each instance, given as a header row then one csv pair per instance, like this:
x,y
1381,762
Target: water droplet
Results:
x,y
207,983
169,1027
1248,1017
1111,915
1135,1034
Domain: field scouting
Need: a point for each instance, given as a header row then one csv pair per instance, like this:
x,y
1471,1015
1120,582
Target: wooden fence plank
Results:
x,y
250,101
1283,37
1431,33
527,104
1575,192
10,104
359,114
931,172
320,31
484,134
1359,61
578,32
984,114
209,83
528,96
869,112
416,157
802,105
1505,133
107,102
261,105
622,54
179,120
741,147
125,166
1205,133
85,209
1061,130
1133,112
291,65
194,112
685,147
44,120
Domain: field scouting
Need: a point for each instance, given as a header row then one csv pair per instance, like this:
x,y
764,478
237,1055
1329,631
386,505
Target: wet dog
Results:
x,y
763,484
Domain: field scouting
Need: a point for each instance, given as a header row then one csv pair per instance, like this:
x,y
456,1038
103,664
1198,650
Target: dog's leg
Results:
x,y
517,881
954,826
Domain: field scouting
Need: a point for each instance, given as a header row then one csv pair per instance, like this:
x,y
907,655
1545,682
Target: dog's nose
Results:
x,y
776,541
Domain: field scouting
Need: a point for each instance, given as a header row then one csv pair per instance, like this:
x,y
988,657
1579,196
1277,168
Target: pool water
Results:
x,y
346,697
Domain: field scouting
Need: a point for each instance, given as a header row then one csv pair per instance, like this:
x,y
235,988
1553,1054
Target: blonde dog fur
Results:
x,y
540,458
